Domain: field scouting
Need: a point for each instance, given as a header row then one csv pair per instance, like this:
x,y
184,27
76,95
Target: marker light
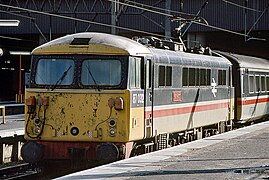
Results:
x,y
31,104
119,103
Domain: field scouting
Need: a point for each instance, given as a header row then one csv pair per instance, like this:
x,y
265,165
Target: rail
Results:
x,y
18,171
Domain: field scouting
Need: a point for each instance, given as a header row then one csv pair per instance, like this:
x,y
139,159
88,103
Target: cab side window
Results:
x,y
135,72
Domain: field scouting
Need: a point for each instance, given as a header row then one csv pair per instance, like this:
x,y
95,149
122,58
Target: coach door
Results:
x,y
148,115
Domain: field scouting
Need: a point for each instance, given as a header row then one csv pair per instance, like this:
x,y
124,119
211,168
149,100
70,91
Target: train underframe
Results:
x,y
96,152
166,140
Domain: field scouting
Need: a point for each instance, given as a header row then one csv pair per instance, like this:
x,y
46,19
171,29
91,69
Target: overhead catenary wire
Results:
x,y
80,20
16,39
162,9
144,9
266,9
241,6
15,14
194,21
152,11
27,17
220,29
124,28
196,16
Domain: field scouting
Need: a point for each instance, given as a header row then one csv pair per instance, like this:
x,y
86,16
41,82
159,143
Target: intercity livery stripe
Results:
x,y
172,111
252,100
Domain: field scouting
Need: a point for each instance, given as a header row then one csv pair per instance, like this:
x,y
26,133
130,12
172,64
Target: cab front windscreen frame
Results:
x,y
76,68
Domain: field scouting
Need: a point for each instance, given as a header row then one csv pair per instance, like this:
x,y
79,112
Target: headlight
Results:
x,y
112,132
36,130
112,122
74,131
37,121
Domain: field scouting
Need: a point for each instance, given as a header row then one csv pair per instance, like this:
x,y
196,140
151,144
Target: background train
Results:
x,y
101,97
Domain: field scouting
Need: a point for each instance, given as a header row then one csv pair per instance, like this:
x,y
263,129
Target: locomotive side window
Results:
x,y
55,72
267,83
251,83
165,76
196,77
203,77
208,77
135,72
168,76
257,81
185,77
101,72
263,83
191,77
161,75
221,77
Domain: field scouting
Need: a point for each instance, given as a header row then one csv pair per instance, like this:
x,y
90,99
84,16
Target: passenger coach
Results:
x,y
251,81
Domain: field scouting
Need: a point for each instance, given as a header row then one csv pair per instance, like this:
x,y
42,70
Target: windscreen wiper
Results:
x,y
61,78
96,85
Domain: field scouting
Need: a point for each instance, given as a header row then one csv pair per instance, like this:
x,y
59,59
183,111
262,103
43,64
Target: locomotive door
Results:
x,y
148,94
231,95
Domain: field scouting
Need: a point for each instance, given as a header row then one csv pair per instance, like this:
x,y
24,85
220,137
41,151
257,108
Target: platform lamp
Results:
x,y
8,22
20,54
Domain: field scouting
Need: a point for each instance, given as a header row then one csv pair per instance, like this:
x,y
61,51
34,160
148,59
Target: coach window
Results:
x,y
135,72
251,83
165,76
263,83
257,81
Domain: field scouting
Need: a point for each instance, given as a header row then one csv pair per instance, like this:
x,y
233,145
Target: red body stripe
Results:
x,y
252,101
186,110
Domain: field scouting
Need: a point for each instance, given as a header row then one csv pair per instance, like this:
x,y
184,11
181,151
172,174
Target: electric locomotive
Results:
x,y
101,97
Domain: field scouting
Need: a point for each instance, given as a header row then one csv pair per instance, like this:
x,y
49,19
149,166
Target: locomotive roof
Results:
x,y
189,59
92,43
247,61
107,44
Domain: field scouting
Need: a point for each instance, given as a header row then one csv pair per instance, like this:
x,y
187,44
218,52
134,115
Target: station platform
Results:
x,y
12,108
14,124
238,154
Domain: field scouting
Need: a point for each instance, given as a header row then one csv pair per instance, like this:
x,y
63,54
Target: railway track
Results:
x,y
19,171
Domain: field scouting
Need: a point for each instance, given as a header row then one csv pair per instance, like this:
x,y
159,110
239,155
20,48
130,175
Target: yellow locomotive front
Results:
x,y
78,101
